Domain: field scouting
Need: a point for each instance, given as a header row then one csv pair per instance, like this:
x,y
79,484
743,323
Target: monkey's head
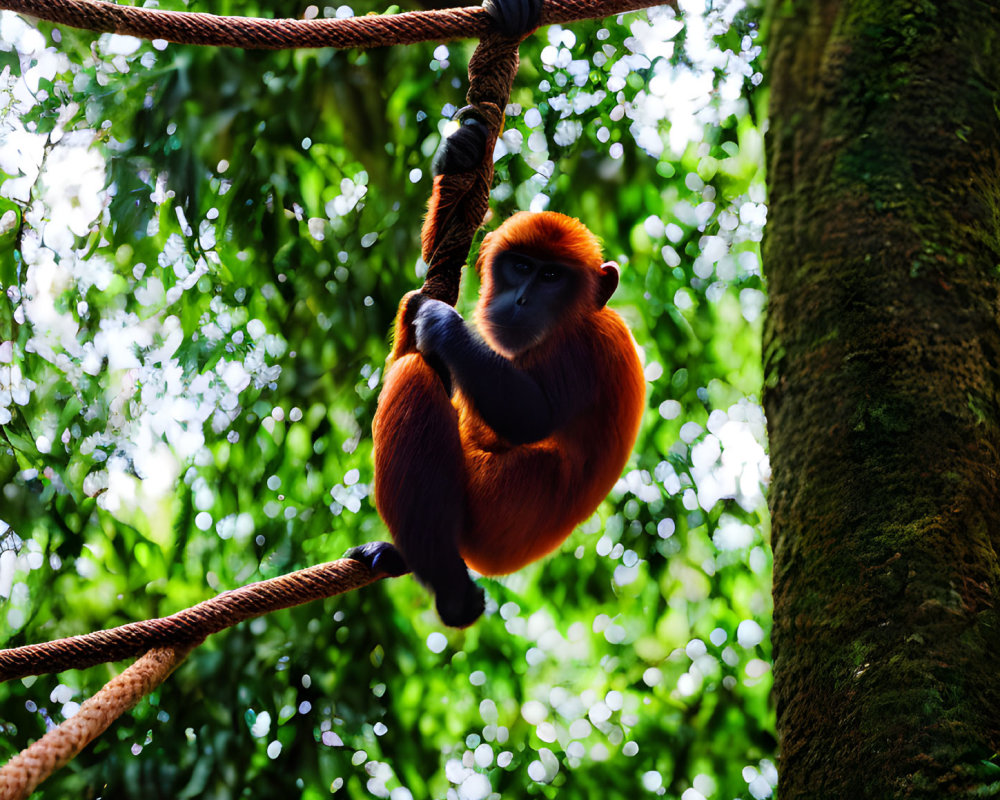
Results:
x,y
541,274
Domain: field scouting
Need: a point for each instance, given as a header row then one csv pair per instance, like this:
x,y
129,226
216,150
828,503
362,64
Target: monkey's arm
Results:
x,y
510,400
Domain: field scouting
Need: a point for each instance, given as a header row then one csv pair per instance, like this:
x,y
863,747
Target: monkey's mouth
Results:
x,y
515,339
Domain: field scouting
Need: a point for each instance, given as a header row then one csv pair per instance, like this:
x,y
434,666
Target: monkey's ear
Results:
x,y
607,282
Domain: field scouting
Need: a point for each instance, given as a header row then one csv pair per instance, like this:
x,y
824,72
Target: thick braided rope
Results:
x,y
26,770
188,626
376,30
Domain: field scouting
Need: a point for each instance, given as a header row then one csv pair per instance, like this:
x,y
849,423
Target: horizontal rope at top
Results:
x,y
373,30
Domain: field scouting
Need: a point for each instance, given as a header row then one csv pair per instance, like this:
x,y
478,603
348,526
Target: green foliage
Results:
x,y
192,363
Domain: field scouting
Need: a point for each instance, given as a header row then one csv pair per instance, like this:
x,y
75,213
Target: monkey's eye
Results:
x,y
551,274
522,267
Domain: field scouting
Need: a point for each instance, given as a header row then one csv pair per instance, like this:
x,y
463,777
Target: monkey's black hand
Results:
x,y
515,18
379,557
435,325
464,150
460,605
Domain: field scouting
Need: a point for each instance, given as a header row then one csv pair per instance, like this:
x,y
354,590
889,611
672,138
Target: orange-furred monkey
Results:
x,y
490,449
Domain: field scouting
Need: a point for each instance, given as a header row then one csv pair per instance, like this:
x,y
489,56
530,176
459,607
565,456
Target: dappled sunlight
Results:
x,y
206,274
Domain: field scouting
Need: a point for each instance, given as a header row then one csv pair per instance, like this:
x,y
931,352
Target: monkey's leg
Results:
x,y
420,484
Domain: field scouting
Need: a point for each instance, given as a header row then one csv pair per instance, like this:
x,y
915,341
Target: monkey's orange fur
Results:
x,y
513,504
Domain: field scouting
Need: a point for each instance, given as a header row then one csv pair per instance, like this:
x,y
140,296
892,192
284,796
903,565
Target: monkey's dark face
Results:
x,y
530,295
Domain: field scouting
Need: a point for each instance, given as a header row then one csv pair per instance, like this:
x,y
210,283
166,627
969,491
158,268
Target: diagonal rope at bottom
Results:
x,y
24,772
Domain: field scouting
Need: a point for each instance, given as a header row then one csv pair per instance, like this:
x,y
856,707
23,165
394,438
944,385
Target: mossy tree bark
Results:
x,y
883,396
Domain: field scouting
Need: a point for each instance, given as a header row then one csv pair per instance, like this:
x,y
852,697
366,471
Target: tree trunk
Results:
x,y
882,372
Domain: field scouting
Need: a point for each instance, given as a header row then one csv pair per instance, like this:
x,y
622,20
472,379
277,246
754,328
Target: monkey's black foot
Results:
x,y
514,17
379,557
461,605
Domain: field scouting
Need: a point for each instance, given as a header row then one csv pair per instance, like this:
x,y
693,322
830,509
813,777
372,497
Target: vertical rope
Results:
x,y
461,201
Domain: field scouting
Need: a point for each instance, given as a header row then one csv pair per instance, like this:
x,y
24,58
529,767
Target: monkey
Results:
x,y
490,447
494,467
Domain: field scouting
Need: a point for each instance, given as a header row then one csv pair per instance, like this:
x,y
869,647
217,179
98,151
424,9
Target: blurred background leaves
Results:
x,y
201,264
